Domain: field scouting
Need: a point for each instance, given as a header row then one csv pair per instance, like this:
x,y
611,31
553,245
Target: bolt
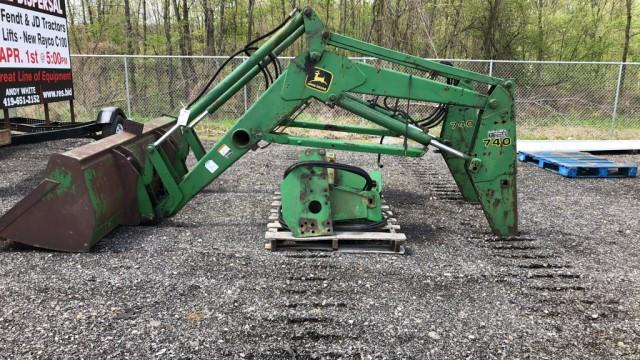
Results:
x,y
307,11
474,165
508,84
315,56
493,103
333,97
322,152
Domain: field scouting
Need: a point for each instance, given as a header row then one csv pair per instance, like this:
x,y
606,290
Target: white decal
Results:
x,y
211,166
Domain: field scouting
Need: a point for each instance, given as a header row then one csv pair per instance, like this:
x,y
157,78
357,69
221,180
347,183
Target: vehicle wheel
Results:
x,y
116,127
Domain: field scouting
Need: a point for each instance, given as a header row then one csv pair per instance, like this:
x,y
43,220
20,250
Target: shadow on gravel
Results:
x,y
418,233
23,187
124,239
10,151
402,197
10,246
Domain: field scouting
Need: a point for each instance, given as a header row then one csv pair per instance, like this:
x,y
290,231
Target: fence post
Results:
x,y
490,72
126,86
246,96
614,115
364,97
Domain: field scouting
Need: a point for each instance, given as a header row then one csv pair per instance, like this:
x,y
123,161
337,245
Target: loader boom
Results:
x,y
486,153
477,138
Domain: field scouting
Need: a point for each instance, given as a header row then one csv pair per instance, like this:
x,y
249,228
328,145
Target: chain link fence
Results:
x,y
555,100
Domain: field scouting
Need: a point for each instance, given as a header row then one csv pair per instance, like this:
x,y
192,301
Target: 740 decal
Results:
x,y
461,124
500,142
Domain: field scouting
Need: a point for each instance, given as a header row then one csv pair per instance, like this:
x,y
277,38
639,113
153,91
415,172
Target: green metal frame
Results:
x,y
478,137
314,198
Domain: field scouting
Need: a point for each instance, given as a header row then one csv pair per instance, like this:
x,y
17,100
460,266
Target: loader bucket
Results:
x,y
88,192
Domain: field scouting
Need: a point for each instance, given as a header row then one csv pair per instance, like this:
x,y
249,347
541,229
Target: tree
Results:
x,y
131,49
625,47
209,28
513,29
166,20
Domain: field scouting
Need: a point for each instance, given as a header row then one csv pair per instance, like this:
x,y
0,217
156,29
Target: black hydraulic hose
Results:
x,y
380,155
369,183
345,225
271,32
268,77
226,62
434,118
265,72
215,75
274,59
359,226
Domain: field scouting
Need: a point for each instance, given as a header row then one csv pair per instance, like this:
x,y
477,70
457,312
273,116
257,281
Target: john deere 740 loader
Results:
x,y
140,176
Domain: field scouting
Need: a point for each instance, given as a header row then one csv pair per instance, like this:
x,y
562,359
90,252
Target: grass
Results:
x,y
538,128
589,129
579,128
558,132
216,128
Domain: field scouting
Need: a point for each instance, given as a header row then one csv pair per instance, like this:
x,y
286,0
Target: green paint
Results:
x,y
342,128
96,201
458,130
344,145
65,183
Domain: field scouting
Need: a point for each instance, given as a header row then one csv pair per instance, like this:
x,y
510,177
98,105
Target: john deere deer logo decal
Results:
x,y
319,79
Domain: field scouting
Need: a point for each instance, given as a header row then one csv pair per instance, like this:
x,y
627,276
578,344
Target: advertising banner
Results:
x,y
35,66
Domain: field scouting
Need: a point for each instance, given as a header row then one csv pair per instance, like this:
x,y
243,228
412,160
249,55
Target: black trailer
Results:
x,y
110,120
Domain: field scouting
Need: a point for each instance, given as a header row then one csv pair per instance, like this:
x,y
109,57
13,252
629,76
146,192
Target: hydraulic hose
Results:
x,y
248,47
369,183
345,225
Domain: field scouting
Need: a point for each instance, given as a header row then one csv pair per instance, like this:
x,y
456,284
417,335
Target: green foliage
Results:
x,y
515,29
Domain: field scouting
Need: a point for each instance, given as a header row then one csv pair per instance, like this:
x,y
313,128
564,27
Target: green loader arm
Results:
x,y
477,140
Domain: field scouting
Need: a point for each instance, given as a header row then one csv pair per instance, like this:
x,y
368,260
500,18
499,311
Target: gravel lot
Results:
x,y
201,284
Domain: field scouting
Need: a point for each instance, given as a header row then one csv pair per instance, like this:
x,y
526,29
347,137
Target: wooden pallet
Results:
x,y
578,164
386,240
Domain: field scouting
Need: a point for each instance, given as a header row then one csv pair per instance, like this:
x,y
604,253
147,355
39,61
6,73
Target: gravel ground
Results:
x,y
201,285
